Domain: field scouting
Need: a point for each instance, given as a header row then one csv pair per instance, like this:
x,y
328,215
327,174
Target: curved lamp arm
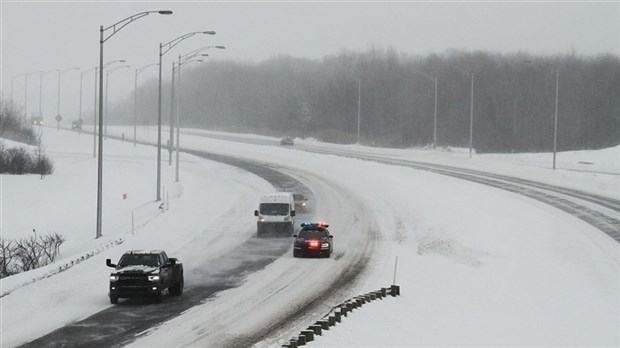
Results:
x,y
122,23
169,45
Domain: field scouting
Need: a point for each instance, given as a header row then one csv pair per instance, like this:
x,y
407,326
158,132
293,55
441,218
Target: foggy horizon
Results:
x,y
49,36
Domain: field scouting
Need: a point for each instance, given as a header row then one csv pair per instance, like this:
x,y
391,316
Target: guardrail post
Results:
x,y
337,316
317,329
301,340
309,334
290,344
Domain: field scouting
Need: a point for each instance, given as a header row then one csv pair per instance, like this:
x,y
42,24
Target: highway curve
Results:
x,y
122,324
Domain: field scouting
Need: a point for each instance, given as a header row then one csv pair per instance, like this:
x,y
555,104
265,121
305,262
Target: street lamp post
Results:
x,y
471,115
82,73
434,81
12,82
95,119
95,116
359,104
41,74
135,100
176,169
26,95
171,115
168,46
58,117
114,29
182,59
107,77
471,107
555,118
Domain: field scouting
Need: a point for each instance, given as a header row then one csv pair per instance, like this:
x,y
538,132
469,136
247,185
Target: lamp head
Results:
x,y
165,12
209,32
221,47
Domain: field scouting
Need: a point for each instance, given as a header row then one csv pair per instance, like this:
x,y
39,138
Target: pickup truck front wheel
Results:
x,y
157,297
177,290
113,299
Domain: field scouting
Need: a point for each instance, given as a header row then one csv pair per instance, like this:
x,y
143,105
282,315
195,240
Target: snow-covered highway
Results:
x,y
477,265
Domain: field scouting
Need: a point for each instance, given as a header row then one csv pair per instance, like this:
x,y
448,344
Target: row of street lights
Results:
x,y
163,49
471,109
41,74
183,60
135,99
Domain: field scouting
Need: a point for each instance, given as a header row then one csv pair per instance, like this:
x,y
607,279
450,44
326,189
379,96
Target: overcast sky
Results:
x,y
47,35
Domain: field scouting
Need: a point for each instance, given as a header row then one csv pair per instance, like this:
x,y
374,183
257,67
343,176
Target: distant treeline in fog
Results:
x,y
514,99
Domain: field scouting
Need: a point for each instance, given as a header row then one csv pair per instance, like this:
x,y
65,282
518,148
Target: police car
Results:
x,y
313,239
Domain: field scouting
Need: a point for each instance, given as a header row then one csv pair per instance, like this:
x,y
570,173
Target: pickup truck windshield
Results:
x,y
274,209
139,259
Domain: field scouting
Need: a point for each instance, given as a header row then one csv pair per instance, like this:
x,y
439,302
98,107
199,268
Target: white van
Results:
x,y
276,214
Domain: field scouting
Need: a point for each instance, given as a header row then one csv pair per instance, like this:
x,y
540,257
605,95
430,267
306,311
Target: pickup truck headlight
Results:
x,y
113,278
153,278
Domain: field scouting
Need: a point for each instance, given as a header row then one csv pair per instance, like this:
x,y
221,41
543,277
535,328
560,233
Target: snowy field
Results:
x,y
476,265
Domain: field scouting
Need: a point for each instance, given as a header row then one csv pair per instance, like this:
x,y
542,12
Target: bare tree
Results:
x,y
6,257
28,252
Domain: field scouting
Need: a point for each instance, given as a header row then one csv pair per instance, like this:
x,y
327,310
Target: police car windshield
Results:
x,y
274,209
309,234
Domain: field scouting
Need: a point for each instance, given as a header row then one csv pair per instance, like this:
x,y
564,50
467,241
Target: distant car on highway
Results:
x,y
76,125
300,202
287,141
36,121
313,239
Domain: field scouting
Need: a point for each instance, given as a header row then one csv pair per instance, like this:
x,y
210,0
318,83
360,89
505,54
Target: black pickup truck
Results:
x,y
142,273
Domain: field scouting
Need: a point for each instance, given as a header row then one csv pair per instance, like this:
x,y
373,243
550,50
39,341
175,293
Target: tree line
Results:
x,y
514,99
